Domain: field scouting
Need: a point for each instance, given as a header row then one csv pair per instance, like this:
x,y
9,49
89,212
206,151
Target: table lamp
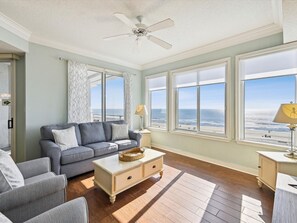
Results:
x,y
287,113
141,111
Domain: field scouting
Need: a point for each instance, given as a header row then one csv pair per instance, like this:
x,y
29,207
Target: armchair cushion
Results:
x,y
34,167
10,174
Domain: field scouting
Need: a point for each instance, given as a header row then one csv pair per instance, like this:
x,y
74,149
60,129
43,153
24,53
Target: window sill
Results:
x,y
202,136
156,129
261,145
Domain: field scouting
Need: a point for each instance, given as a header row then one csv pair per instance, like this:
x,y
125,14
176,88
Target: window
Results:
x,y
265,82
157,101
200,99
114,98
106,96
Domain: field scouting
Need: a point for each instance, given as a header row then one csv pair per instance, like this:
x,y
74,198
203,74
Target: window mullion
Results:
x,y
198,109
176,109
103,95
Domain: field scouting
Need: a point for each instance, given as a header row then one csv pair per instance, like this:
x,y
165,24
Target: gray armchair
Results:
x,y
75,211
43,190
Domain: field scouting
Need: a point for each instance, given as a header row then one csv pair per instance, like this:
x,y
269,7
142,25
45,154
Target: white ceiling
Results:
x,y
82,24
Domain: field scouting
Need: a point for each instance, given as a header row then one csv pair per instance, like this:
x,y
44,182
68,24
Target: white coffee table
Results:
x,y
114,176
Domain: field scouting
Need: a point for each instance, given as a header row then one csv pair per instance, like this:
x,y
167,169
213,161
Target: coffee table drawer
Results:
x,y
153,167
127,178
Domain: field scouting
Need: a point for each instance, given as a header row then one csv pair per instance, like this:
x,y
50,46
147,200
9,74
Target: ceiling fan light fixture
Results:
x,y
140,30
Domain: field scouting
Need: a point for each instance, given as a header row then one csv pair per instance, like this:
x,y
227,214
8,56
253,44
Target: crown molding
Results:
x,y
228,42
82,52
14,27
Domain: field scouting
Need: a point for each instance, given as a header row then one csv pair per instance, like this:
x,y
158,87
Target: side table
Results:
x,y
146,138
271,163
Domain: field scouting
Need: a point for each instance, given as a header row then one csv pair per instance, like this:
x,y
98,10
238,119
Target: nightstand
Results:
x,y
270,163
145,139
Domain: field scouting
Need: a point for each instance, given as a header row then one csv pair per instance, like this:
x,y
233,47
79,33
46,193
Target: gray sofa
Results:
x,y
94,140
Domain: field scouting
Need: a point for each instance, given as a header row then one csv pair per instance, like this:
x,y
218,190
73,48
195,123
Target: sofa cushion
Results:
x,y
10,176
46,131
102,148
76,154
91,132
39,177
126,144
108,129
119,131
65,138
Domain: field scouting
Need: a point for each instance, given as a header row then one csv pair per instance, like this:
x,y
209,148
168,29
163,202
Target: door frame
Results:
x,y
11,58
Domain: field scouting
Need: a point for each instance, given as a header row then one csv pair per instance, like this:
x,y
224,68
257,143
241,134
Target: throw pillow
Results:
x,y
65,138
4,219
10,175
119,131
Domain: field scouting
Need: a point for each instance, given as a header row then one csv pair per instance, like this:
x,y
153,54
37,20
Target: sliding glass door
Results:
x,y
6,107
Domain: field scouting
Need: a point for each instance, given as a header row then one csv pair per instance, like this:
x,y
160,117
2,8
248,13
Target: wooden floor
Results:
x,y
190,191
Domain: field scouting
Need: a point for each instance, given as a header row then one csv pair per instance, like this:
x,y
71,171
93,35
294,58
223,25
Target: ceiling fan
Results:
x,y
140,30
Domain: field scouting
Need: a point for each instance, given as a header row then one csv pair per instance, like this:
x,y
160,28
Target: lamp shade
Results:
x,y
287,113
141,110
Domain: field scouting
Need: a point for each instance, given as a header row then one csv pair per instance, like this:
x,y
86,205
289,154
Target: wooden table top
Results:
x,y
113,165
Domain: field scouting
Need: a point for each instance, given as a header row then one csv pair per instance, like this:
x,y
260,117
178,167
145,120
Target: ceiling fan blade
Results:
x,y
159,42
160,25
125,20
117,36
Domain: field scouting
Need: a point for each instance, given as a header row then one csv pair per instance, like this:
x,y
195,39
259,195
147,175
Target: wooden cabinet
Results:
x,y
270,163
145,139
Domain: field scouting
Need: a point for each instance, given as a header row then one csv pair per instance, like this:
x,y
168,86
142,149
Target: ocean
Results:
x,y
258,120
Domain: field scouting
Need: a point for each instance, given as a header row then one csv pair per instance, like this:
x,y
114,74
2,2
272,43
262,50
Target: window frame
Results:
x,y
148,102
173,102
104,72
240,90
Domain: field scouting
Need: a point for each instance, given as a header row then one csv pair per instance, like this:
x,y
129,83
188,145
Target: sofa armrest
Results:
x,y
135,136
75,211
29,193
53,151
35,167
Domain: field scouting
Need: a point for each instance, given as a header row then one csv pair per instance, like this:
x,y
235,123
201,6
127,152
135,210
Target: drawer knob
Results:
x,y
154,166
129,177
259,167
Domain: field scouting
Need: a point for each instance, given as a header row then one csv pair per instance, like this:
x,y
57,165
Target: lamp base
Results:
x,y
291,155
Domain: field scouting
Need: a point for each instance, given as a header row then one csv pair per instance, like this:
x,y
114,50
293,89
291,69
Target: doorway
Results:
x,y
7,106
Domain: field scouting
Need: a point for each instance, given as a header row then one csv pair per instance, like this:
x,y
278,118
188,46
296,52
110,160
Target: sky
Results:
x,y
114,94
269,93
264,94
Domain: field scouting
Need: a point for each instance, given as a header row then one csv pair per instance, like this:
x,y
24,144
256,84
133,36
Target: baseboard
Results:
x,y
232,166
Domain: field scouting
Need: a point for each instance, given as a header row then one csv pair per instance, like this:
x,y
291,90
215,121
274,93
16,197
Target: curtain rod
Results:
x,y
105,69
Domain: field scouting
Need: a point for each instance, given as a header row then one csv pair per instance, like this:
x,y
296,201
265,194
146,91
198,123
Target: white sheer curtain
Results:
x,y
78,93
128,99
